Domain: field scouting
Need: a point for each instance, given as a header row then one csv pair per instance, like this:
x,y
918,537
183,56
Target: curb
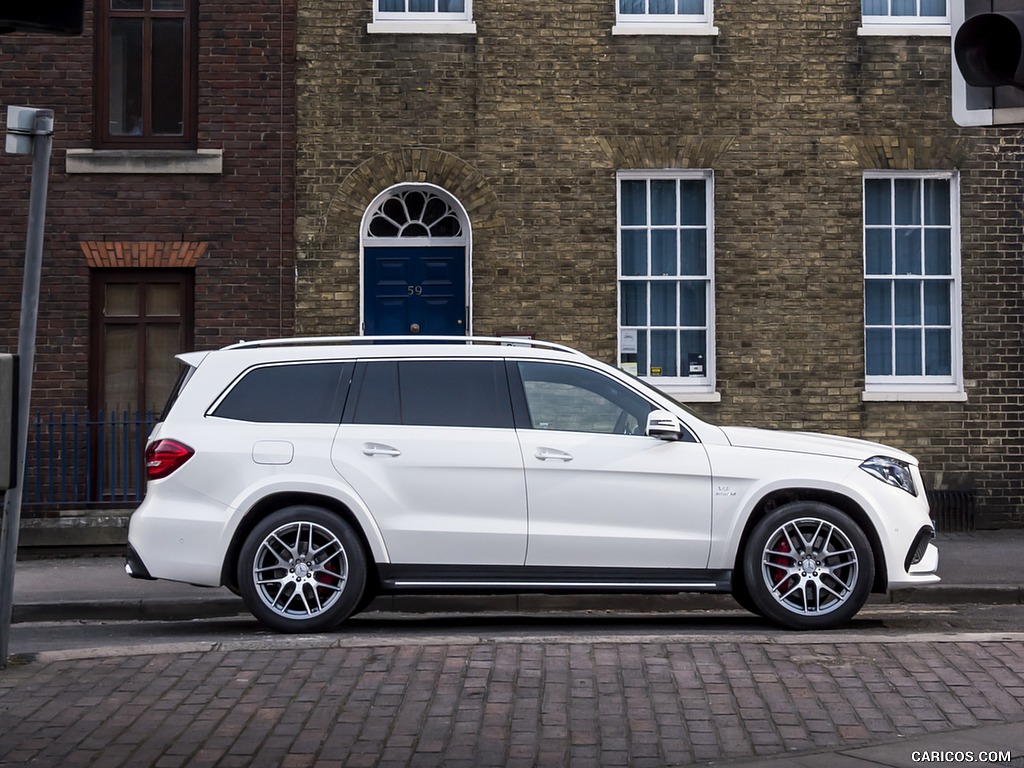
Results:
x,y
127,610
955,594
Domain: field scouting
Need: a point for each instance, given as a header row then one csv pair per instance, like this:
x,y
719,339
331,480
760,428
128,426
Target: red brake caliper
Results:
x,y
783,546
326,580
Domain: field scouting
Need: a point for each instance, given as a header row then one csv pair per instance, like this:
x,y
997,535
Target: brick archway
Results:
x,y
413,165
142,254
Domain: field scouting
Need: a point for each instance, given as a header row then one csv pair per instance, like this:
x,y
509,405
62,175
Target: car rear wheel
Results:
x,y
302,569
808,566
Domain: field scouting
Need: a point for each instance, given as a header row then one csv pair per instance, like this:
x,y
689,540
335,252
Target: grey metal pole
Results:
x,y
42,142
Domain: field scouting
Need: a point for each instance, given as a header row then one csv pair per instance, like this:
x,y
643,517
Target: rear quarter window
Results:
x,y
183,376
301,393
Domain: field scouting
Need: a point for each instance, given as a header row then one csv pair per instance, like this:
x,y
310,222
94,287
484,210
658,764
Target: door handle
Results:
x,y
379,449
544,454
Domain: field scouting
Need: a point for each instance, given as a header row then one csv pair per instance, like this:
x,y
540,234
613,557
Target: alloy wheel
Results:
x,y
300,570
810,566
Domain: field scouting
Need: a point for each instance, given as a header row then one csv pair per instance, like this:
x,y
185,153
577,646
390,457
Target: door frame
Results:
x,y
464,240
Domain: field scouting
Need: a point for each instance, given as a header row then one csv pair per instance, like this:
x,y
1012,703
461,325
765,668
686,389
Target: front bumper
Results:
x,y
921,564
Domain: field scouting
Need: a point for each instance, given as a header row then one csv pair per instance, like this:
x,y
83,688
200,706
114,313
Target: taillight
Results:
x,y
164,456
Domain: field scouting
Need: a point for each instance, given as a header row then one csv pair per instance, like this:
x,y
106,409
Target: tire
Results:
x,y
741,594
808,566
302,569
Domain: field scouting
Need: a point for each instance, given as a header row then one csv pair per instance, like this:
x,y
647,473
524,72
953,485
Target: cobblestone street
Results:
x,y
326,702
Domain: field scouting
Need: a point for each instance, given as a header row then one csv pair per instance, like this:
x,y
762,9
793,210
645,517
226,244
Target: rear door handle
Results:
x,y
379,449
545,454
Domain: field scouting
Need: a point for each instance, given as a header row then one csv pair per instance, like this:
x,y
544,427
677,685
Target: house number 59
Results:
x,y
415,290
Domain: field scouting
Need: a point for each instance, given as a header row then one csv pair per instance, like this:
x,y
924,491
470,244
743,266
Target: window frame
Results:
x,y
103,138
99,279
912,25
648,23
419,22
693,388
917,386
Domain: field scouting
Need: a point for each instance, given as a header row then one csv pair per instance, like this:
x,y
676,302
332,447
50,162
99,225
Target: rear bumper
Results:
x,y
134,566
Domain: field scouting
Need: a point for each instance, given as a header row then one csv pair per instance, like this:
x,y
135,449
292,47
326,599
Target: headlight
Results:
x,y
891,471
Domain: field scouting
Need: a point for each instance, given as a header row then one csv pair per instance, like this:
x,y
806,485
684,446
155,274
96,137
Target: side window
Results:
x,y
433,393
376,400
454,393
573,399
308,393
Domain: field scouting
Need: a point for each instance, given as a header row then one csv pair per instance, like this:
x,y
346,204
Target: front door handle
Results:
x,y
545,454
379,449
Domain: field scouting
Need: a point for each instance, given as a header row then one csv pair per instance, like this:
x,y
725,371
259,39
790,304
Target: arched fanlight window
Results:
x,y
414,213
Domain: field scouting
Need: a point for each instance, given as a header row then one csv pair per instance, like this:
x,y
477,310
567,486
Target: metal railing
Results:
x,y
78,459
953,510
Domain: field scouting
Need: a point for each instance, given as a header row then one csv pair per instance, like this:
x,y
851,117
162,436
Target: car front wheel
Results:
x,y
302,569
808,566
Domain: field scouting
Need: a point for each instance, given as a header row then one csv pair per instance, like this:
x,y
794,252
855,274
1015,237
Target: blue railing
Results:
x,y
82,459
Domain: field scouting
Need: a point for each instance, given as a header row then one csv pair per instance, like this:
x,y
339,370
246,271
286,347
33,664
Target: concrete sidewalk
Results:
x,y
981,567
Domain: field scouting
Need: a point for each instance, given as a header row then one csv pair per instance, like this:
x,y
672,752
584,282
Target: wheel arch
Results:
x,y
844,504
277,501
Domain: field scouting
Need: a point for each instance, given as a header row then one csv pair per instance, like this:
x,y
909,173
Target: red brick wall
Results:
x,y
244,281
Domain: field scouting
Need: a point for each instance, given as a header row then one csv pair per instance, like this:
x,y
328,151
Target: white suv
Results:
x,y
310,475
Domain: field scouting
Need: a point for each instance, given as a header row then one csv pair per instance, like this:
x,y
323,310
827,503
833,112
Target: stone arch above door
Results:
x,y
414,165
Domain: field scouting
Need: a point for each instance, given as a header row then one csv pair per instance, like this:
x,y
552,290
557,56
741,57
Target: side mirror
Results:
x,y
663,425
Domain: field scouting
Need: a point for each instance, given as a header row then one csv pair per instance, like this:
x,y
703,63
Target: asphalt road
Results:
x,y
891,623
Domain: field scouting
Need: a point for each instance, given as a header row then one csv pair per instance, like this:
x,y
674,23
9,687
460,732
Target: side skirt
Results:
x,y
488,579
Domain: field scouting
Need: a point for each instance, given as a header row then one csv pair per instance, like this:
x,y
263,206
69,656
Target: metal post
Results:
x,y
42,140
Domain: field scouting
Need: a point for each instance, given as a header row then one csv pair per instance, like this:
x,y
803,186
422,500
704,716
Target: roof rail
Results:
x,y
506,341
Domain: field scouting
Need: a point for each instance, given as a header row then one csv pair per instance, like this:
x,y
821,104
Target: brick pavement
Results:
x,y
498,703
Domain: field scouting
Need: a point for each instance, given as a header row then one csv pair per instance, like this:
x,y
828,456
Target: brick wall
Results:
x,y
527,122
244,280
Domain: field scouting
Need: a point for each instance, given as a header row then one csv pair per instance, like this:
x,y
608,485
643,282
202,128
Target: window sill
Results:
x,y
665,28
907,396
684,394
421,28
154,161
904,30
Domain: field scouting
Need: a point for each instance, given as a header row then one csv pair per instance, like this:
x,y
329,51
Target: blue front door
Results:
x,y
415,290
